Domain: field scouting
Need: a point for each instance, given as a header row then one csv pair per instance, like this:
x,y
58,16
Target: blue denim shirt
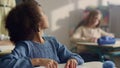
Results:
x,y
26,50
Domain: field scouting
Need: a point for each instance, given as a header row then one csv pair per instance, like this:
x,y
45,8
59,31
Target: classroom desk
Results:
x,y
85,65
5,47
102,50
5,42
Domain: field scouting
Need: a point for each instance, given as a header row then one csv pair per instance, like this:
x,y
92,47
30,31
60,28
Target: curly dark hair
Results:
x,y
22,21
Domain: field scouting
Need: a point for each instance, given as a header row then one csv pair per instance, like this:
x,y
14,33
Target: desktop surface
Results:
x,y
93,64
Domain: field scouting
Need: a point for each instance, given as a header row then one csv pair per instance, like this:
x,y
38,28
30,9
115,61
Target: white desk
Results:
x,y
85,65
5,49
116,45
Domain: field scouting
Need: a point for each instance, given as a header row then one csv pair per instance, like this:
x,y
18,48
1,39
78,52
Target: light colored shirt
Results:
x,y
85,33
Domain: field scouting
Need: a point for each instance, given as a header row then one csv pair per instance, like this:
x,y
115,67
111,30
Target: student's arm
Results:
x,y
17,59
77,36
64,54
103,33
44,62
20,58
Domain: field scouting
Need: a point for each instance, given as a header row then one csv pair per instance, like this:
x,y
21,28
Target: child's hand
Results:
x,y
93,40
48,63
72,63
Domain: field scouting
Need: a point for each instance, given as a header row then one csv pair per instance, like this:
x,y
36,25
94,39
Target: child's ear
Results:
x,y
40,24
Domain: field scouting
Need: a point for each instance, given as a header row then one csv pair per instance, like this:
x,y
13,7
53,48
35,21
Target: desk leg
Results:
x,y
101,57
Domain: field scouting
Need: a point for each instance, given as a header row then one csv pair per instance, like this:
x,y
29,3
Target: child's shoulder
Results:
x,y
49,37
